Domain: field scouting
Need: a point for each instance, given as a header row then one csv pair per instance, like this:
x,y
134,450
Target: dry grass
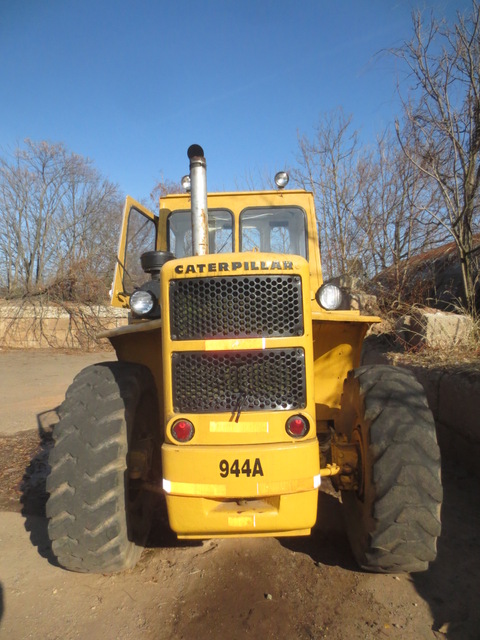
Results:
x,y
455,359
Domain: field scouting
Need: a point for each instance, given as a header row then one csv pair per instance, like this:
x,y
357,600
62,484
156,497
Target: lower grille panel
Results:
x,y
266,380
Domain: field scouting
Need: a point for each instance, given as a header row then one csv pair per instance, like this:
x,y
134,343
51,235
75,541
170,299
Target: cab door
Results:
x,y
138,234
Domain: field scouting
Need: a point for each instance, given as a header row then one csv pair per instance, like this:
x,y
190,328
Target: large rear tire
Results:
x,y
99,516
393,518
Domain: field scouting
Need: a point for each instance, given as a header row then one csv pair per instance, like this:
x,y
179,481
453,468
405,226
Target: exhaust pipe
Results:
x,y
198,179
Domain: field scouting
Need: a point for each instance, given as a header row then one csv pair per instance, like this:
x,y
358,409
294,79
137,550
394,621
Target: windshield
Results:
x,y
273,229
220,232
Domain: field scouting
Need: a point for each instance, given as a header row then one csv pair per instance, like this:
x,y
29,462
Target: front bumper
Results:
x,y
246,490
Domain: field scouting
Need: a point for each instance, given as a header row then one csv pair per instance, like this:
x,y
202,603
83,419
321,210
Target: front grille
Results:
x,y
267,380
236,306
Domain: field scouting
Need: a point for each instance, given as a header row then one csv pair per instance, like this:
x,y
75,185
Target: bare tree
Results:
x,y
257,180
370,202
329,167
162,188
394,198
58,218
440,133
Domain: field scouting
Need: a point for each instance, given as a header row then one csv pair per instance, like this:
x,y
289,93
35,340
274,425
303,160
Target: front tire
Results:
x,y
393,517
99,517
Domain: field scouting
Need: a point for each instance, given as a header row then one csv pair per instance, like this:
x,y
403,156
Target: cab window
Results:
x,y
273,229
141,237
220,232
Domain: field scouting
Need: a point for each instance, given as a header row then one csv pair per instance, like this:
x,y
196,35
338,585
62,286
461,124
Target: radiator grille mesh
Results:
x,y
236,306
267,380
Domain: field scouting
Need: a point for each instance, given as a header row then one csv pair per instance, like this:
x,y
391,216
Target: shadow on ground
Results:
x,y
34,493
328,543
452,584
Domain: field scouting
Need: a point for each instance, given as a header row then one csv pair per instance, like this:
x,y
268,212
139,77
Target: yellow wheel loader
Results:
x,y
237,389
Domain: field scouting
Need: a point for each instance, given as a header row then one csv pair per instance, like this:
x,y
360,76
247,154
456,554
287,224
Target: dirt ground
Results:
x,y
292,588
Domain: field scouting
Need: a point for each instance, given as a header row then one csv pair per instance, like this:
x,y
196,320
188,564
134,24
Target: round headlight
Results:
x,y
142,302
281,179
329,297
187,183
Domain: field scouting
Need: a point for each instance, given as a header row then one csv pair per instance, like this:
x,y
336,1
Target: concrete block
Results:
x,y
436,329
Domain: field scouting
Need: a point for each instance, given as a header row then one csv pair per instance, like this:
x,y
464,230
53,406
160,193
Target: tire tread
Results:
x,y
406,474
86,507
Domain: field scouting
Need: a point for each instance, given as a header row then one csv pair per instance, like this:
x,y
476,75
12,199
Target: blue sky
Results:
x,y
132,83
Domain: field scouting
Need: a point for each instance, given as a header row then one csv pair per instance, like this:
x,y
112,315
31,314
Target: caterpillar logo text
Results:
x,y
212,267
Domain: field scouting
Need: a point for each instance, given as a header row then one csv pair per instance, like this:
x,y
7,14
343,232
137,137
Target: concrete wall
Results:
x,y
33,325
454,398
453,394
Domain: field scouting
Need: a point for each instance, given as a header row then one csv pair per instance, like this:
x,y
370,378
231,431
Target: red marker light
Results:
x,y
297,426
183,430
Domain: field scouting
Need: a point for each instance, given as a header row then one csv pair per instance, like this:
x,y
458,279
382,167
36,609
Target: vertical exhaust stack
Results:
x,y
198,178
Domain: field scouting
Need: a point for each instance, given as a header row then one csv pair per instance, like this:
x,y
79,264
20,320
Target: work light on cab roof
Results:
x,y
281,179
